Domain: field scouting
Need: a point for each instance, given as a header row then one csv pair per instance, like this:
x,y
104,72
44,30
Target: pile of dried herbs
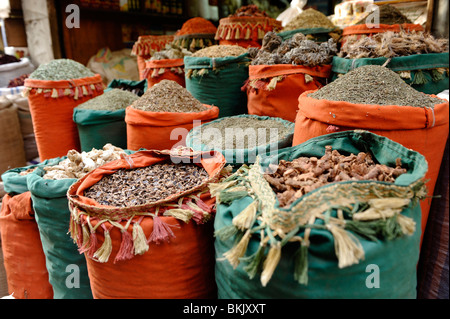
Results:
x,y
309,19
168,96
388,15
237,132
171,51
220,51
374,84
297,50
392,44
112,100
250,10
292,180
61,69
145,185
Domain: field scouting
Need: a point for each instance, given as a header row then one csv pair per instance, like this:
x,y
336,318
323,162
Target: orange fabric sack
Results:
x,y
423,130
162,130
51,106
24,257
162,250
167,69
355,32
145,46
273,90
245,31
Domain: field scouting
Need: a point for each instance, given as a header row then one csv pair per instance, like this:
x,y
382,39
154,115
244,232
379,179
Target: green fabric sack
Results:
x,y
316,34
241,156
218,81
427,73
66,267
319,247
99,127
15,184
137,87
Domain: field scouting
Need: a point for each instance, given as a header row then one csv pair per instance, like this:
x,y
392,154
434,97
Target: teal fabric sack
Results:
x,y
15,184
427,73
218,81
99,127
66,266
241,156
319,247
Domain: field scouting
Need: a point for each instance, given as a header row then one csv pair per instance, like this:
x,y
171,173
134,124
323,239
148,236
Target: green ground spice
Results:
x,y
115,99
374,84
61,69
247,131
168,96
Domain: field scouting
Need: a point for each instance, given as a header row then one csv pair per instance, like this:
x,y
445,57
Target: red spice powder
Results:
x,y
197,25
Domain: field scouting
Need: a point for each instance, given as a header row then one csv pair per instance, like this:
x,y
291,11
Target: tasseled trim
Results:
x,y
74,92
157,72
253,29
134,241
267,84
147,45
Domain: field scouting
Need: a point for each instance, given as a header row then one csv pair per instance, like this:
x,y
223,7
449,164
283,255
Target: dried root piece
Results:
x,y
292,180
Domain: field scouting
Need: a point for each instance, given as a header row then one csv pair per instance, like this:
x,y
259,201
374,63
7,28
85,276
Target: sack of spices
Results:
x,y
101,120
195,34
24,258
48,186
162,117
241,138
313,24
246,27
215,75
420,59
166,64
281,70
147,219
146,46
327,219
375,98
385,18
54,89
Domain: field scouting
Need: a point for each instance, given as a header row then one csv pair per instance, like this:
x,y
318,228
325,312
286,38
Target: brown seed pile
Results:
x,y
309,19
388,15
220,51
392,44
297,50
145,185
250,10
292,180
168,96
376,85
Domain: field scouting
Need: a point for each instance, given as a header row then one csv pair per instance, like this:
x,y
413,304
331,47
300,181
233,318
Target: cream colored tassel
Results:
x,y
270,263
238,250
348,249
